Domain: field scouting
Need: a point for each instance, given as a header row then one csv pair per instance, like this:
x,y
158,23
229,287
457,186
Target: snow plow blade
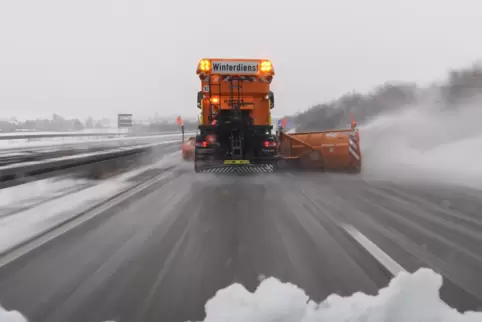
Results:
x,y
337,150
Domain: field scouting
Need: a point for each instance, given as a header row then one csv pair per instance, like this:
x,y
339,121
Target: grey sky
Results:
x,y
99,57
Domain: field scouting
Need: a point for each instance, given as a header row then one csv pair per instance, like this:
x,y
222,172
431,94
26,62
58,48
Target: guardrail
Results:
x,y
16,174
18,143
23,136
36,151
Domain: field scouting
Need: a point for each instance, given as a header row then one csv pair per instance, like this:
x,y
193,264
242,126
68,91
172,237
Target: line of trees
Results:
x,y
165,127
57,123
60,124
461,87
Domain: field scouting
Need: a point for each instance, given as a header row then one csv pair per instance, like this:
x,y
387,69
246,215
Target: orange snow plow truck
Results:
x,y
235,131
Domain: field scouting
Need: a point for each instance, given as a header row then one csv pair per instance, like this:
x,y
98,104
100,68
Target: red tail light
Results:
x,y
269,144
211,138
203,144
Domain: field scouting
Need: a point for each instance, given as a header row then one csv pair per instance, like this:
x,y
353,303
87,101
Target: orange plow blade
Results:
x,y
337,150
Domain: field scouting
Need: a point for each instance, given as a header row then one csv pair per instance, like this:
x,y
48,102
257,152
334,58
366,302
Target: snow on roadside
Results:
x,y
30,193
20,227
408,297
23,225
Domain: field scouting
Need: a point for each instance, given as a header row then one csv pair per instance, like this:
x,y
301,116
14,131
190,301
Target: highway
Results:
x,y
162,253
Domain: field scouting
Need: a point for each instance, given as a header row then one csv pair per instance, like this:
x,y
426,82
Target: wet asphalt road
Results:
x,y
162,255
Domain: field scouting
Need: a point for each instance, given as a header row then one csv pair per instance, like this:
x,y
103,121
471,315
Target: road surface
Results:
x,y
162,254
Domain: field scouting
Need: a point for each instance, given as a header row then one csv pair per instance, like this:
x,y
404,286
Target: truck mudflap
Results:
x,y
240,167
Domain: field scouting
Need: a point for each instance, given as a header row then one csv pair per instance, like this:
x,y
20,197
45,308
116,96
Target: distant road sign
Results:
x,y
124,120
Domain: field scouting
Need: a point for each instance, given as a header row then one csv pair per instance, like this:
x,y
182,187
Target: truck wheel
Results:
x,y
196,164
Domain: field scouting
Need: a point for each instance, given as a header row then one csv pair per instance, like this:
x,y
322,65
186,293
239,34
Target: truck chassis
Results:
x,y
225,148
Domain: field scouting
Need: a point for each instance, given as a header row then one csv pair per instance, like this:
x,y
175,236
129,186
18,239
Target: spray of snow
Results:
x,y
426,140
408,297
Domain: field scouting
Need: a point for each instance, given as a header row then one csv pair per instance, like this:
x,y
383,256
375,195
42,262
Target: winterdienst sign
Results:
x,y
235,67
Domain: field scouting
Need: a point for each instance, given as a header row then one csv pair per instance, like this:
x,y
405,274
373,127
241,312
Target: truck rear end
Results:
x,y
235,130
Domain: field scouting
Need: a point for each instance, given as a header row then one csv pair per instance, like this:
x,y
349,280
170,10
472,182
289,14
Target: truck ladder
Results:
x,y
235,102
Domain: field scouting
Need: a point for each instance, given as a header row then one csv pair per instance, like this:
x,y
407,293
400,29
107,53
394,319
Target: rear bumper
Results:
x,y
236,169
258,165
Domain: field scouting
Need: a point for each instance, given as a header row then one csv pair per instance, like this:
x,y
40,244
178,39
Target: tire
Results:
x,y
196,163
196,167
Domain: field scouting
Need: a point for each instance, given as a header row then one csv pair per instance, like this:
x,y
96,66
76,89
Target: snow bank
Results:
x,y
408,297
11,316
426,141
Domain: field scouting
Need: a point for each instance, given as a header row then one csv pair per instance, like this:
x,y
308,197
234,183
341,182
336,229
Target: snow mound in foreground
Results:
x,y
11,316
408,297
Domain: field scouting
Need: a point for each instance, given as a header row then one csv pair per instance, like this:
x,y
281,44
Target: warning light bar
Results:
x,y
266,66
240,67
204,66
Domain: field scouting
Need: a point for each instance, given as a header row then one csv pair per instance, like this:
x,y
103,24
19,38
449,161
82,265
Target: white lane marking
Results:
x,y
391,265
80,219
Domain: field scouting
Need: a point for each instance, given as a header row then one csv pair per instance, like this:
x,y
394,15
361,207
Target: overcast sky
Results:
x,y
102,57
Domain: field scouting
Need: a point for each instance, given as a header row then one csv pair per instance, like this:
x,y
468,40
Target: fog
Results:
x,y
100,58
